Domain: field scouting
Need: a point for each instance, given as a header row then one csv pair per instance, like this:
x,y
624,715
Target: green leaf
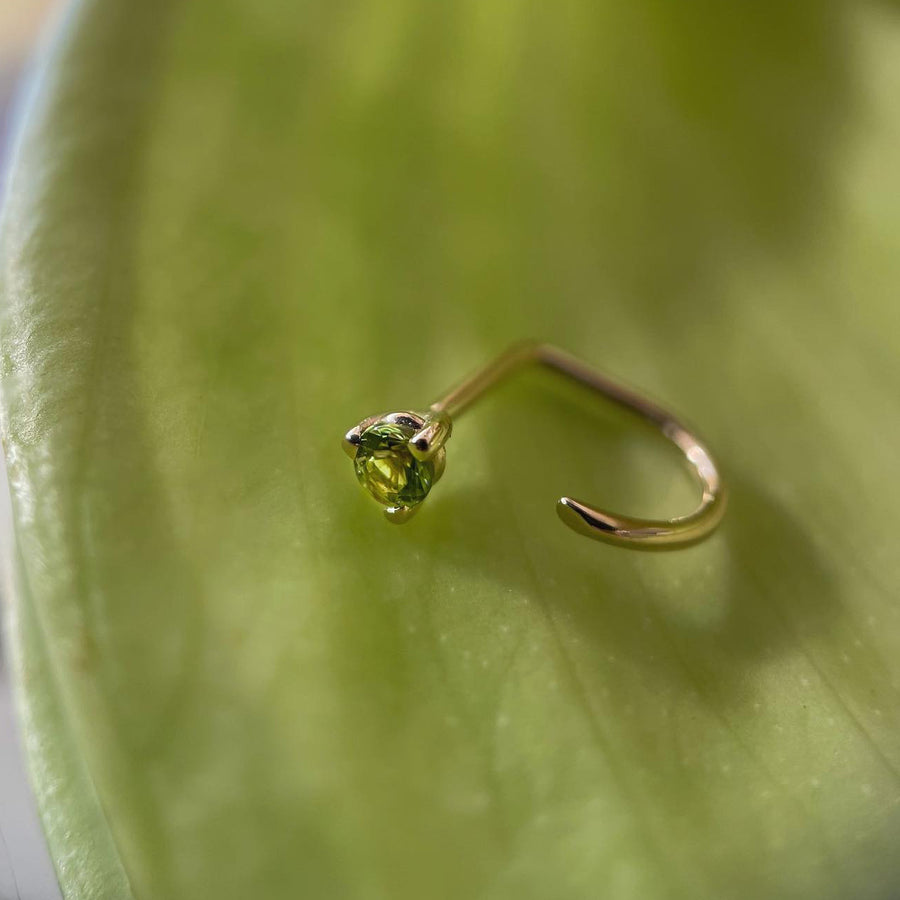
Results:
x,y
234,228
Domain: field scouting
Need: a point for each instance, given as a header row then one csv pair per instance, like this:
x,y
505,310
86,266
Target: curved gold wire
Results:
x,y
434,429
585,519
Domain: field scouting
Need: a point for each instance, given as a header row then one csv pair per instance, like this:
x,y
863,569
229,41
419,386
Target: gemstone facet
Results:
x,y
387,469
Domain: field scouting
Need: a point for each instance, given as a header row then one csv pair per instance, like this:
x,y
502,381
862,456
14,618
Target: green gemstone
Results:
x,y
386,468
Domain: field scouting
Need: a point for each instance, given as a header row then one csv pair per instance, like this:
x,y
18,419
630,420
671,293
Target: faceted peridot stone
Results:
x,y
386,468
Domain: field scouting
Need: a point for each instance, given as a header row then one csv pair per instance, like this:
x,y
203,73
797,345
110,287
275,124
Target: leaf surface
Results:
x,y
235,228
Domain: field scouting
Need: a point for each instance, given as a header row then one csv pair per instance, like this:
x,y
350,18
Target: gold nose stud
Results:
x,y
400,456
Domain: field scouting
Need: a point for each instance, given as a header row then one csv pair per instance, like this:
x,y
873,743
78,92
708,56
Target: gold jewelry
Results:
x,y
399,456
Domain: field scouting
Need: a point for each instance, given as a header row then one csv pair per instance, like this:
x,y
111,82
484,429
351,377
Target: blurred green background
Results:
x,y
234,228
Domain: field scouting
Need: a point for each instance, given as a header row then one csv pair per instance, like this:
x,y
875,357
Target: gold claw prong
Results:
x,y
429,439
400,514
351,441
440,463
405,418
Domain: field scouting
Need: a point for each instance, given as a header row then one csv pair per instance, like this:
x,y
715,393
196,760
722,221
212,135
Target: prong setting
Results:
x,y
385,465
